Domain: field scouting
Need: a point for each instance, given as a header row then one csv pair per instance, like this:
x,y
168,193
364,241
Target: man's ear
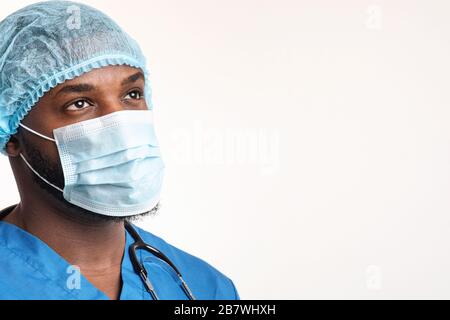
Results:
x,y
13,148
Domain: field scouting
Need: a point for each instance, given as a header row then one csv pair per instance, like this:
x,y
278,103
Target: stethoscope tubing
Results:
x,y
139,268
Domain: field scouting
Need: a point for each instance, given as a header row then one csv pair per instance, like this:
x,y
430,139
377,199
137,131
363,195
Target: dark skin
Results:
x,y
95,245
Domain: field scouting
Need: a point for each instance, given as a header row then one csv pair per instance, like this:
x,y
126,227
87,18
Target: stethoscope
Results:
x,y
140,269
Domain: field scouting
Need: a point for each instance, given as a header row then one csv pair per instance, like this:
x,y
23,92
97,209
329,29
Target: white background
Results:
x,y
306,142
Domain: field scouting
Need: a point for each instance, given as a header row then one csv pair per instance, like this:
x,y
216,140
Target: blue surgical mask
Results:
x,y
112,164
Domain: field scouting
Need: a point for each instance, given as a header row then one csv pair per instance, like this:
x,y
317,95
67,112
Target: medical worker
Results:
x,y
76,124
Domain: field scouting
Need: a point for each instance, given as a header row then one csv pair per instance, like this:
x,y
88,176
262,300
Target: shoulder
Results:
x,y
205,280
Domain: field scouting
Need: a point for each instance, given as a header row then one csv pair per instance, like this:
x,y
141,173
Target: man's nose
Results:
x,y
111,106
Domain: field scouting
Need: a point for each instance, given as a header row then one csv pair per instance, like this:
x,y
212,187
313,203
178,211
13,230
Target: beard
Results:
x,y
53,173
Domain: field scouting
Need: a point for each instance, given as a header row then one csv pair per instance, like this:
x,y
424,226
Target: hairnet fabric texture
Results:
x,y
47,43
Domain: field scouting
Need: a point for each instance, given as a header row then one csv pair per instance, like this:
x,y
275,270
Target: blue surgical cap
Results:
x,y
47,43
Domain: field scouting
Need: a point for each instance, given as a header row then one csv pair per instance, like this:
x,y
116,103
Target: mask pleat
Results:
x,y
128,172
117,158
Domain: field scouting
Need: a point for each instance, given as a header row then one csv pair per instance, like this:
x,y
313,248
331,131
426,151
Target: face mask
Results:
x,y
111,164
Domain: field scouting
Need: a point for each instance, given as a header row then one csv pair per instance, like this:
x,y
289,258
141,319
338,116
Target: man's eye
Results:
x,y
78,105
135,95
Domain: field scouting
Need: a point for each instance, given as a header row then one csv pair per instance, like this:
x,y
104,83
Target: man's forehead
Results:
x,y
116,73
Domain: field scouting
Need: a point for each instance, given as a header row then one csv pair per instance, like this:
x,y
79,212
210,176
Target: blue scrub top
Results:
x,y
30,269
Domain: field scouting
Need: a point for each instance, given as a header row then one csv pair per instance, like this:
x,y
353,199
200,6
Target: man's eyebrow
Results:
x,y
77,88
84,87
133,78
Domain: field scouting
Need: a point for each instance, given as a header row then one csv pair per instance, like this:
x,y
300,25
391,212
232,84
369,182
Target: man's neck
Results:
x,y
96,248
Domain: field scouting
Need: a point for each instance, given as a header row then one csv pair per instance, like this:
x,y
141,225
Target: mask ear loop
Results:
x,y
36,133
36,173
29,165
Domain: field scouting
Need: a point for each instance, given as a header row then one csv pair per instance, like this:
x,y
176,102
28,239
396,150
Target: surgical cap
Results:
x,y
47,43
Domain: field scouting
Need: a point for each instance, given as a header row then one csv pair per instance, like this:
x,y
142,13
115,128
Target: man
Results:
x,y
76,123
